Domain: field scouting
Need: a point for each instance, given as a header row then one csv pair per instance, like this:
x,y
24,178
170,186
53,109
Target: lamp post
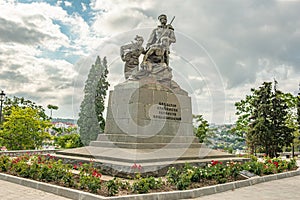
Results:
x,y
2,95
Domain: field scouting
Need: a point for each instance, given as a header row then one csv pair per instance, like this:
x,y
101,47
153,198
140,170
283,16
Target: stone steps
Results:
x,y
144,155
146,139
119,162
143,145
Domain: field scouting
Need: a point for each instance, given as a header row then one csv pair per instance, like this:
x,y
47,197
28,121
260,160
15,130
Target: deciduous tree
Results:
x,y
52,107
24,129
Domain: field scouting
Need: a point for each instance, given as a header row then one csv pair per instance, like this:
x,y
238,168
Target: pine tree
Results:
x,y
267,115
283,134
93,102
260,126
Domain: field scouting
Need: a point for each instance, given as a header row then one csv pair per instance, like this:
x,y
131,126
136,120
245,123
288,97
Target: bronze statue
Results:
x,y
155,64
158,54
130,54
163,30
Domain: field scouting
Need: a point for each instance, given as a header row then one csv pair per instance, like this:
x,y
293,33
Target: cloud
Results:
x,y
67,3
222,49
13,75
14,32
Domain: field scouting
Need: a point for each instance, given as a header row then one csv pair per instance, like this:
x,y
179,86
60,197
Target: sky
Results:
x,y
223,49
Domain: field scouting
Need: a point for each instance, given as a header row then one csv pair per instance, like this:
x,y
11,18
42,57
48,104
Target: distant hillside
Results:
x,y
73,121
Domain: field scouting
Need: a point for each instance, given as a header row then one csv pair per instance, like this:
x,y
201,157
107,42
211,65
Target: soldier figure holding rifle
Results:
x,y
163,30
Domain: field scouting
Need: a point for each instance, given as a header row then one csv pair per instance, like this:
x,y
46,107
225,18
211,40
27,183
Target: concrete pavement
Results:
x,y
12,191
282,189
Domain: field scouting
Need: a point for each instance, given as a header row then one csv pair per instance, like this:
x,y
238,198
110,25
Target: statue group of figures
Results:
x,y
155,62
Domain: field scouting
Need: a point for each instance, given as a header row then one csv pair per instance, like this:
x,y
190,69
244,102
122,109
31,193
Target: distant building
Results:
x,y
62,128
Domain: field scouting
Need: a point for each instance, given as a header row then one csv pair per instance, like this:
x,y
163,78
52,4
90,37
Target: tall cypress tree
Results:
x,y
298,109
93,102
101,91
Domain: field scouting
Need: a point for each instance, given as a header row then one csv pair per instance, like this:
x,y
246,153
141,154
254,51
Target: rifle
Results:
x,y
172,20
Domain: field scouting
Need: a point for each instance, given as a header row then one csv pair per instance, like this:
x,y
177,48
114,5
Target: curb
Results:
x,y
183,194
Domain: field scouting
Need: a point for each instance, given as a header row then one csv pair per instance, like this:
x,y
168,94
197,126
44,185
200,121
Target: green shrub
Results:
x,y
184,181
141,186
112,187
4,163
173,175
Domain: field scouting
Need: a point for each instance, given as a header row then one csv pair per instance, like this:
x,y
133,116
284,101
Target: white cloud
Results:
x,y
222,50
68,3
83,5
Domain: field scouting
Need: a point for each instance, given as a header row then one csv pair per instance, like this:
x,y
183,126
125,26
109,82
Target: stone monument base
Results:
x,y
148,125
121,163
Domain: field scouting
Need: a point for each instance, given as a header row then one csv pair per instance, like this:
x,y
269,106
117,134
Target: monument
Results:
x,y
149,116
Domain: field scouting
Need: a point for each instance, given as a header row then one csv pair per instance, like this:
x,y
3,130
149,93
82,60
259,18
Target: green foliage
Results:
x,y
52,107
201,129
198,174
265,119
43,168
225,138
143,185
68,141
91,121
254,167
20,102
234,169
298,111
183,182
269,166
173,175
4,162
140,186
24,129
101,90
112,187
182,178
89,178
48,169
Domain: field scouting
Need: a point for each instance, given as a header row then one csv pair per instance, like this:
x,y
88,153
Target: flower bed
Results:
x,y
88,178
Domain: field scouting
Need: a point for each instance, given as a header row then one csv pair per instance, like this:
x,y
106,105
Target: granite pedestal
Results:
x,y
150,125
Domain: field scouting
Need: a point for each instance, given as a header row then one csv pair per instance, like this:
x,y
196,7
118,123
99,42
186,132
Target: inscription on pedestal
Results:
x,y
168,111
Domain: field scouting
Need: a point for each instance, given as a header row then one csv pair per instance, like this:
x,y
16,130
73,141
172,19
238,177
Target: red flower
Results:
x,y
275,163
75,167
215,162
96,174
139,167
15,161
134,166
80,163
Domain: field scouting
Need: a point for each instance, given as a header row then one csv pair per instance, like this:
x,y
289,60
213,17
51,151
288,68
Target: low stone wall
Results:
x,y
22,152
